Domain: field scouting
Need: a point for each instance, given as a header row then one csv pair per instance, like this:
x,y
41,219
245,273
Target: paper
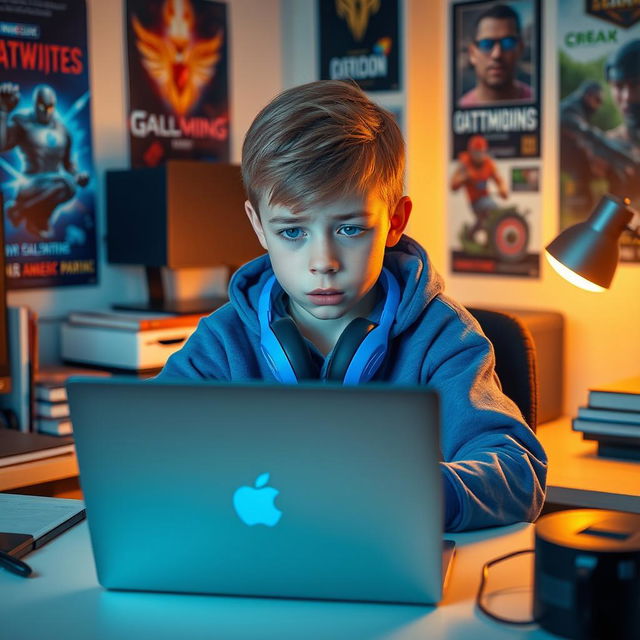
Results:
x,y
35,515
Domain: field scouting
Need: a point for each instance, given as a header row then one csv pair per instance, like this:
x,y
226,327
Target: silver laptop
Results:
x,y
307,491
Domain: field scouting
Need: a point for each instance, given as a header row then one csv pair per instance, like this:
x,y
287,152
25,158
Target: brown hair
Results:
x,y
321,141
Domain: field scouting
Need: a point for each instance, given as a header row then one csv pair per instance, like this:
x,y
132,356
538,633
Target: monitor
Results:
x,y
179,215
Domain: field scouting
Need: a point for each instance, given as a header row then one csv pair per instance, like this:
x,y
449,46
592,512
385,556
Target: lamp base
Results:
x,y
179,307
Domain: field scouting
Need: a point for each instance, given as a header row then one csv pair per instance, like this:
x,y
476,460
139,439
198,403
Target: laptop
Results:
x,y
314,491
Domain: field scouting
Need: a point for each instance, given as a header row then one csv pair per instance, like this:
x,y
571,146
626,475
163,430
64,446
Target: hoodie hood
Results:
x,y
407,261
419,282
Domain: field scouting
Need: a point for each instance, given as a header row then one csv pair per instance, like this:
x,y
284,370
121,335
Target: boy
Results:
x,y
323,168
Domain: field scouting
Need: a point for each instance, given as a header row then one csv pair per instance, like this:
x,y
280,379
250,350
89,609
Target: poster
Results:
x,y
46,167
494,201
360,40
599,119
178,93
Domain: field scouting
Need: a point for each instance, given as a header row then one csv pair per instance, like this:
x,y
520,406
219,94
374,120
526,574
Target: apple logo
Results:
x,y
255,506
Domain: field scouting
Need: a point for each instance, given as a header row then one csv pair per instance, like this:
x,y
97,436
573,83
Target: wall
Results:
x,y
255,76
602,341
273,44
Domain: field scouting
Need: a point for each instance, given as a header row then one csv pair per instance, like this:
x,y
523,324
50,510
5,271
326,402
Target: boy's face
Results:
x,y
329,257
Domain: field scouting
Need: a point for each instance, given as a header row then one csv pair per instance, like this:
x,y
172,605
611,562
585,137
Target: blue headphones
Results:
x,y
357,355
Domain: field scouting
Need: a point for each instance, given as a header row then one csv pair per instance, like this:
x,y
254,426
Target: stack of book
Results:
x,y
51,409
612,419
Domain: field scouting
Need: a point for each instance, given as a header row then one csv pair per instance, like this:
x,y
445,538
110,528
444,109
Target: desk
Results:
x,y
65,602
38,471
578,477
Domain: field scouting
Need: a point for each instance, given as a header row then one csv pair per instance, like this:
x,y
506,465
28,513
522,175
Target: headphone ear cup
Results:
x,y
346,347
294,348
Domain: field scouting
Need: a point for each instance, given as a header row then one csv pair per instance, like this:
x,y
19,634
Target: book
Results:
x,y
611,446
604,427
50,383
612,450
28,522
50,392
623,395
53,426
51,409
609,415
622,441
133,321
17,447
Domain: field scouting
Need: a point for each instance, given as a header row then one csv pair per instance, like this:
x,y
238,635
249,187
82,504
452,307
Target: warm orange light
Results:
x,y
572,276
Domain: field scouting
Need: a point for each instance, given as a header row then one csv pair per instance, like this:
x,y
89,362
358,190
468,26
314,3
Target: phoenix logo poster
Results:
x,y
46,167
178,94
359,40
599,110
494,201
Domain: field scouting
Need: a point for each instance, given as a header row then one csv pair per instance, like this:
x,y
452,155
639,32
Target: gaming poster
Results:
x,y
360,40
494,178
599,110
46,168
178,93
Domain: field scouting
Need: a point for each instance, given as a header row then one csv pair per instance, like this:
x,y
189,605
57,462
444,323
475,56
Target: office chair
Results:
x,y
515,358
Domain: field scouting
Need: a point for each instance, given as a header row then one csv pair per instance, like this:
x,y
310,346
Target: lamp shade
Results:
x,y
587,253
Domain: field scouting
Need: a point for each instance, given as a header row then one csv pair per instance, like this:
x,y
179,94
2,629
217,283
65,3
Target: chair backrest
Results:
x,y
515,358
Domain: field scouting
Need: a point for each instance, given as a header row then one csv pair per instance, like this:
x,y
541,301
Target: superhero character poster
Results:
x,y
494,198
359,40
495,83
46,166
178,95
599,111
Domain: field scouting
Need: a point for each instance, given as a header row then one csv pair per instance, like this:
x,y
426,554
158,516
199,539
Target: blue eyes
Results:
x,y
351,230
296,233
291,234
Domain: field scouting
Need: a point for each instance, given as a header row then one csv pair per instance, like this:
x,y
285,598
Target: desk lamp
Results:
x,y
183,214
586,254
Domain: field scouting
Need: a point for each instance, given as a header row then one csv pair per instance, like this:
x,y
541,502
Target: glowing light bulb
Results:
x,y
572,276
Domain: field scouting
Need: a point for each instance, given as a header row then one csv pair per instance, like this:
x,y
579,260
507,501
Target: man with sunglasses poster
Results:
x,y
495,52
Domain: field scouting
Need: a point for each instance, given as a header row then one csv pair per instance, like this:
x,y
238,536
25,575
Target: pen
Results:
x,y
13,564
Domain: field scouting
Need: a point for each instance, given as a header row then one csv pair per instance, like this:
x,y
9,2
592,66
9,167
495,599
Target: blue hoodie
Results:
x,y
494,468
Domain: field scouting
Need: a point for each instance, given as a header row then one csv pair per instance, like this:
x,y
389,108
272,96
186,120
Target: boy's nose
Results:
x,y
323,258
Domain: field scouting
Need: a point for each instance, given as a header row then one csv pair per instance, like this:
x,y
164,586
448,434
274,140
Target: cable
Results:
x,y
483,582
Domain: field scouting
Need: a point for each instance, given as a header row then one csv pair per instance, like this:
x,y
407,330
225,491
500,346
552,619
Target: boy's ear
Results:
x,y
399,220
256,223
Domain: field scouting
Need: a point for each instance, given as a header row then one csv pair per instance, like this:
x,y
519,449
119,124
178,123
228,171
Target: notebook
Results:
x,y
28,522
307,491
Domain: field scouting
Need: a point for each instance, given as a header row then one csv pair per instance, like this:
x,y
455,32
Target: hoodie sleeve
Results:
x,y
494,468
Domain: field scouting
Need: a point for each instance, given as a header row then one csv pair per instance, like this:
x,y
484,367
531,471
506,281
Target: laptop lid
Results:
x,y
306,491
